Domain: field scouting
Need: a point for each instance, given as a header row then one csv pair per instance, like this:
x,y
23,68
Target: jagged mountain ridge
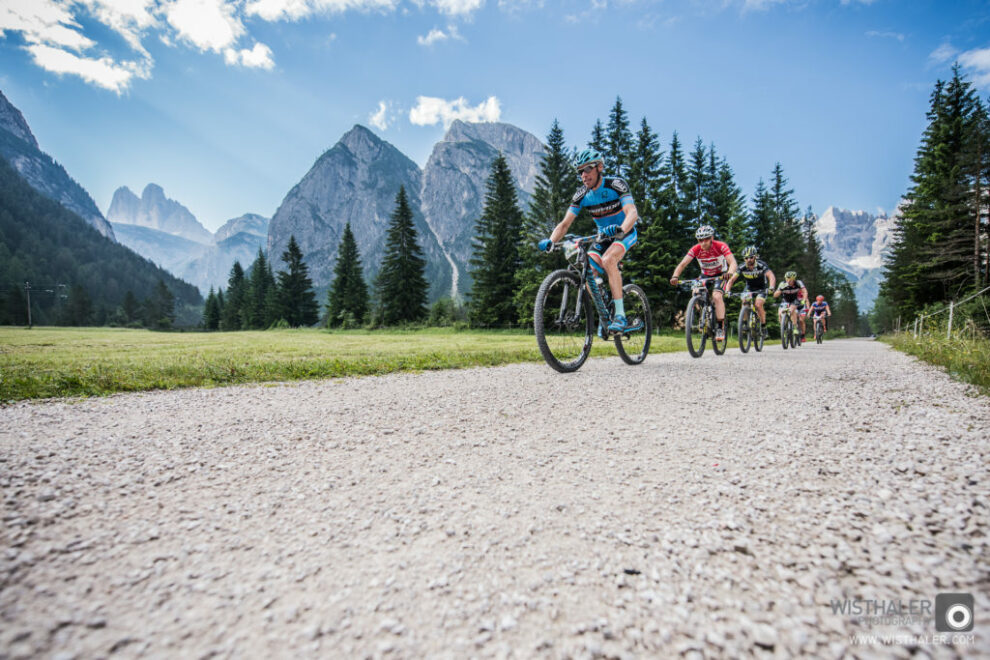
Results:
x,y
354,181
357,180
156,211
19,147
855,243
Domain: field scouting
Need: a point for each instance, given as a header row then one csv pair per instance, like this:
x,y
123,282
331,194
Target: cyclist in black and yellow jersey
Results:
x,y
759,279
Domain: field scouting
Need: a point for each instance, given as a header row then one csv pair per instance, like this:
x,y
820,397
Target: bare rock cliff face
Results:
x,y
355,181
455,177
19,147
156,211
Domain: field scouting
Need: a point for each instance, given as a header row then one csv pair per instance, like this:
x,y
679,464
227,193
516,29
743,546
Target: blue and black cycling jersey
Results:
x,y
604,202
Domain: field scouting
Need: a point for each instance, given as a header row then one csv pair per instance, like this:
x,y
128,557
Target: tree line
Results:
x,y
675,191
941,248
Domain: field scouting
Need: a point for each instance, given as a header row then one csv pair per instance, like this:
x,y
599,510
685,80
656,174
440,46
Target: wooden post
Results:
x,y
27,289
948,333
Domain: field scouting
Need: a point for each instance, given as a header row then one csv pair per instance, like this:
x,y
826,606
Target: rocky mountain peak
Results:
x,y
156,211
362,143
12,121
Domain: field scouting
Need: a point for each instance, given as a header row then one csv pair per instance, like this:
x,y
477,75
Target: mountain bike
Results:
x,y
566,306
787,329
819,329
750,330
699,319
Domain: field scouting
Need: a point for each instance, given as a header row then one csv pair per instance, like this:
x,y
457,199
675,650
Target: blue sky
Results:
x,y
227,103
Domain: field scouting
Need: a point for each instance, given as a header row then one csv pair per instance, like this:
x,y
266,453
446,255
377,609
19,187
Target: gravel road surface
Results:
x,y
710,507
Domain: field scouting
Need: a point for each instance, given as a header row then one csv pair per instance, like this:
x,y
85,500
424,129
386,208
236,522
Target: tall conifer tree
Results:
x,y
496,251
347,299
401,282
295,288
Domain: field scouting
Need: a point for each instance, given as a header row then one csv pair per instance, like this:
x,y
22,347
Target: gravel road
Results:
x,y
713,506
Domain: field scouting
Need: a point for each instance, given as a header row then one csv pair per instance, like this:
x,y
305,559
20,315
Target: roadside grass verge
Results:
x,y
967,360
65,362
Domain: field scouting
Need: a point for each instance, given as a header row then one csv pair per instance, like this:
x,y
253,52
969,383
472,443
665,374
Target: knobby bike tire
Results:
x,y
757,334
785,333
716,346
564,337
818,332
636,312
745,338
693,315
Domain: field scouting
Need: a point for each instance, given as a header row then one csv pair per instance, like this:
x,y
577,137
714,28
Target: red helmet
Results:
x,y
819,298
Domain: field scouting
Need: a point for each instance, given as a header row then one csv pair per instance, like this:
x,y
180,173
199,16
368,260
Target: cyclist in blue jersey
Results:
x,y
611,205
820,309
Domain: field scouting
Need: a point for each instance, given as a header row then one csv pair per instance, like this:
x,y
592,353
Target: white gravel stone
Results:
x,y
489,512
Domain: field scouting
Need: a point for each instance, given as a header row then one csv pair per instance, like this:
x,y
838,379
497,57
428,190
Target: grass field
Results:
x,y
964,359
59,362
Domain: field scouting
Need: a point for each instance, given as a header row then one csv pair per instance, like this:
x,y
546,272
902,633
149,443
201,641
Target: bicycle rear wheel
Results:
x,y
634,344
745,338
696,326
562,321
720,346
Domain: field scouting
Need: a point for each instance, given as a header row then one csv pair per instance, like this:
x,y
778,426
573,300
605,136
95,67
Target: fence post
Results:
x,y
948,334
898,331
916,319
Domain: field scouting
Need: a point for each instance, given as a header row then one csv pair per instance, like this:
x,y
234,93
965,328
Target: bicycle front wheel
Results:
x,y
756,329
696,326
562,321
634,344
785,333
745,338
720,346
818,332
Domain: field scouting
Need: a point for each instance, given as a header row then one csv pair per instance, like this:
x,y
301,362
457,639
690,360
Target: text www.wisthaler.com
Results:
x,y
911,640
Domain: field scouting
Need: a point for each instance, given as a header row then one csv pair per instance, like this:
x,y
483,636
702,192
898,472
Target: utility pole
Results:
x,y
27,289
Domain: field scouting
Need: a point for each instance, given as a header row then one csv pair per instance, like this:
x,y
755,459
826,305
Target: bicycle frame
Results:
x,y
579,262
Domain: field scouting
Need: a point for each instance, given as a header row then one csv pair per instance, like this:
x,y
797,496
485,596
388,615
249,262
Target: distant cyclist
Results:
x,y
611,204
759,278
821,310
794,293
716,260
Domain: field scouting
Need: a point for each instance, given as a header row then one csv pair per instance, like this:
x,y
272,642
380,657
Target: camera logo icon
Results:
x,y
953,613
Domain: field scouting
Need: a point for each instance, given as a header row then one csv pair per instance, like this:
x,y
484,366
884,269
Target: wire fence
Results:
x,y
931,323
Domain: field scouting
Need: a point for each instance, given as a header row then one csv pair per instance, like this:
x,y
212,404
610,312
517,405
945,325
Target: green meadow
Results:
x,y
62,362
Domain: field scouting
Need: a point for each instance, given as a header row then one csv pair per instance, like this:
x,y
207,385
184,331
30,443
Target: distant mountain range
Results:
x,y
855,243
166,232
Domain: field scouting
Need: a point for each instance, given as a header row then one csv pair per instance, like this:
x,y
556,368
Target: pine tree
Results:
x,y
211,312
764,227
347,299
598,141
159,307
788,243
296,289
131,307
729,209
696,190
401,281
551,196
937,250
618,141
231,317
257,310
495,259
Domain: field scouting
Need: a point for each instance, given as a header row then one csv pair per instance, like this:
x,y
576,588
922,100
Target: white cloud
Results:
x,y
978,62
259,57
129,18
886,35
206,24
760,5
431,110
436,35
457,7
104,72
43,22
379,118
293,10
943,53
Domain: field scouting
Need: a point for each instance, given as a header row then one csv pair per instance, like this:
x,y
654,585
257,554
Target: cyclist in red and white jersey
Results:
x,y
716,260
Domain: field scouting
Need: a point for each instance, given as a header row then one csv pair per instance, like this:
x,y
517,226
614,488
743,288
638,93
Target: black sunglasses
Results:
x,y
586,168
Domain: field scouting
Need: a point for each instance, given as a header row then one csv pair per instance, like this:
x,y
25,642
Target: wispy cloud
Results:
x,y
942,54
103,71
209,25
454,7
293,10
382,117
977,61
430,110
437,35
886,35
